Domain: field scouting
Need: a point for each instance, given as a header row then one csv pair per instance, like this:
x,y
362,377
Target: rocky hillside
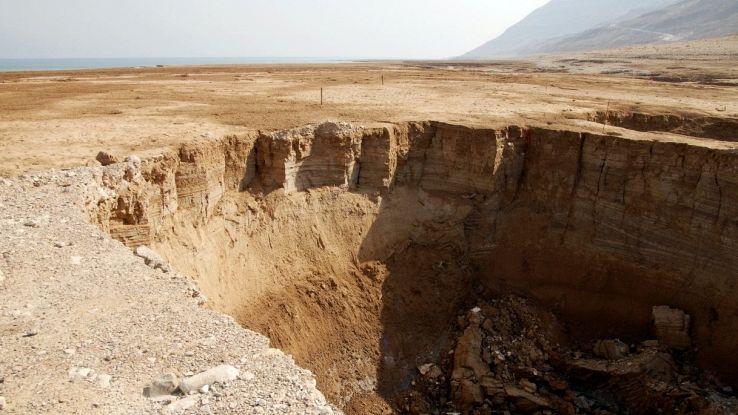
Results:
x,y
560,18
686,20
568,25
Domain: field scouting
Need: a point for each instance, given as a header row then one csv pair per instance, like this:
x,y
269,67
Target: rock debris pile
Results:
x,y
513,357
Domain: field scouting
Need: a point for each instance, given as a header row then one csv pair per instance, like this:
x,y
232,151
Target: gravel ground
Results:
x,y
85,325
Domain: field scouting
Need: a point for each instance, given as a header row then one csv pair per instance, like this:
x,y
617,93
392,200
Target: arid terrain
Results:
x,y
62,119
556,235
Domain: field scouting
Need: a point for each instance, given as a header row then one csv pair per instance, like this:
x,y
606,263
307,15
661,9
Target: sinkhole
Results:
x,y
424,267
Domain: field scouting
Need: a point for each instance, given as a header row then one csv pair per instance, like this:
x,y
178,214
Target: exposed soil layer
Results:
x,y
694,125
356,249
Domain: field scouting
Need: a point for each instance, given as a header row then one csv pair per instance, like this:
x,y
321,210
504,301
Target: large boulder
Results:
x,y
106,158
611,349
672,327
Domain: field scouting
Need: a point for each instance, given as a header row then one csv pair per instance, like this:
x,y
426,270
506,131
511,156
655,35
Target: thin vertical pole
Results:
x,y
321,96
382,79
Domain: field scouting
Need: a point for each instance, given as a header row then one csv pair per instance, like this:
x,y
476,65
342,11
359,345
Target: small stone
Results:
x,y
133,165
133,160
430,370
31,333
525,401
106,159
151,258
660,366
488,325
70,351
528,386
165,385
180,405
469,392
583,403
3,403
61,244
247,376
218,374
611,349
651,344
103,381
557,384
79,373
32,224
164,399
491,386
75,260
205,389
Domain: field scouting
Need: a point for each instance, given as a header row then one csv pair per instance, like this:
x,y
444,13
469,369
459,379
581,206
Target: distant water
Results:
x,y
10,65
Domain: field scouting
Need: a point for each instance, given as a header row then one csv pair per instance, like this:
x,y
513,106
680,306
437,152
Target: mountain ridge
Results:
x,y
685,20
572,25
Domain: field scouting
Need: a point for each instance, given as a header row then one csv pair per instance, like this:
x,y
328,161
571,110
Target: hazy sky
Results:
x,y
217,28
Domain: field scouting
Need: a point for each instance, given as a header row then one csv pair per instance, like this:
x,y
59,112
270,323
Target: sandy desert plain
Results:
x,y
62,119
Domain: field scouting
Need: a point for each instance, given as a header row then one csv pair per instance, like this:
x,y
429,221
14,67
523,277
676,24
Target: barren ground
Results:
x,y
599,185
61,119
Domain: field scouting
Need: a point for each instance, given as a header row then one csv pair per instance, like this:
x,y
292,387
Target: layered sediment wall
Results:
x,y
346,232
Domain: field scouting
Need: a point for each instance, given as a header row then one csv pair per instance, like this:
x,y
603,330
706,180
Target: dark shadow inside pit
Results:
x,y
439,270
